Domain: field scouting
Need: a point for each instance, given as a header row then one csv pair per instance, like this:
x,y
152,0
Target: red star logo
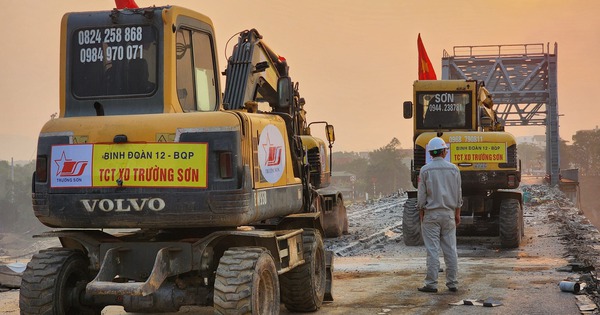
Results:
x,y
68,167
272,152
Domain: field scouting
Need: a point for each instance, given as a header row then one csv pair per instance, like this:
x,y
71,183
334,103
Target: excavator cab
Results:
x,y
116,64
442,108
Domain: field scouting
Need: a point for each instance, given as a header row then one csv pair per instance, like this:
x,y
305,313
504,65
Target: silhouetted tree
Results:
x,y
532,157
386,171
16,213
352,162
586,151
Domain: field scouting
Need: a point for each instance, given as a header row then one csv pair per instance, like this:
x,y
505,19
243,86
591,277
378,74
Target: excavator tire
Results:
x,y
246,282
303,288
53,281
411,223
511,223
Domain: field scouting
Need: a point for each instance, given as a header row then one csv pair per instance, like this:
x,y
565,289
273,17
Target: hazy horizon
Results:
x,y
355,60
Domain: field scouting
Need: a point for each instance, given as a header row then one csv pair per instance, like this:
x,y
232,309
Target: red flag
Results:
x,y
426,71
126,4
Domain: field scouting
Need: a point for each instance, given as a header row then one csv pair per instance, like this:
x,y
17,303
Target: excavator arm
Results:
x,y
252,72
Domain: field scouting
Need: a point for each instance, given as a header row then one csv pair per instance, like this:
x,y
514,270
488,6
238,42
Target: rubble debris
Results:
x,y
585,304
372,225
10,275
580,236
489,302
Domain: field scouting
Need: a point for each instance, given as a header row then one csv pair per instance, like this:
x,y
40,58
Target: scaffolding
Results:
x,y
523,81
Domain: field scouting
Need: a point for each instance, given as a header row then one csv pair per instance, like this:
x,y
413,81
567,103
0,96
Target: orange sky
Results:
x,y
355,60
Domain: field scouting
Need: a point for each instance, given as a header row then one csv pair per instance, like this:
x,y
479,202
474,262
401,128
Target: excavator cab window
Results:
x,y
443,110
113,61
196,85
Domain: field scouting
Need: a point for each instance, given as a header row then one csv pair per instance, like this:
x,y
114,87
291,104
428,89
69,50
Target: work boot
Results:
x,y
427,289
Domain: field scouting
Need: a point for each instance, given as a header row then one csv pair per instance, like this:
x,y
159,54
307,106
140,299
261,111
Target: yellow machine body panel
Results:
x,y
139,128
272,163
318,160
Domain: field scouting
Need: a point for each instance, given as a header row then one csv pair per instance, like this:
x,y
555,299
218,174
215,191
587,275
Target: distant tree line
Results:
x,y
16,212
533,158
583,153
379,172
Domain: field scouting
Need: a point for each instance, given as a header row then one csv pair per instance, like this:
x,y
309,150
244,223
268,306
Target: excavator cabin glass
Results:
x,y
444,110
113,61
266,90
196,82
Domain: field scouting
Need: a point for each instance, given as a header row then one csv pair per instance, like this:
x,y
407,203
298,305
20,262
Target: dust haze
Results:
x,y
355,60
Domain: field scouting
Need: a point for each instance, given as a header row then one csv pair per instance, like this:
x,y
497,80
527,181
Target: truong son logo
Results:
x,y
68,167
271,153
72,165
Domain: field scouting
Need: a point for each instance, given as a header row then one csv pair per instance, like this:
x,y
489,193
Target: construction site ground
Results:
x,y
375,273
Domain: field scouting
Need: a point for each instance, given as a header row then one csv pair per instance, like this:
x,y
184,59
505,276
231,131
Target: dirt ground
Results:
x,y
375,273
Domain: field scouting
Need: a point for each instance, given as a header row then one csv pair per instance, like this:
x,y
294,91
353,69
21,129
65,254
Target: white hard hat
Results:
x,y
436,143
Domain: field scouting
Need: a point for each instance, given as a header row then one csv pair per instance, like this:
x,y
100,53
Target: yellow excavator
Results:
x,y
461,112
166,192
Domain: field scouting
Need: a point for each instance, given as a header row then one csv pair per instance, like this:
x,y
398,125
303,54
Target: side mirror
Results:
x,y
408,109
285,92
330,133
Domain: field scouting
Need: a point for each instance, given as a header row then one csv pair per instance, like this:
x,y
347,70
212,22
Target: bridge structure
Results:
x,y
522,79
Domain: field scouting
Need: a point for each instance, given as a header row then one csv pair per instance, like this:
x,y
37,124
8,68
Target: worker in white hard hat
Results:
x,y
439,201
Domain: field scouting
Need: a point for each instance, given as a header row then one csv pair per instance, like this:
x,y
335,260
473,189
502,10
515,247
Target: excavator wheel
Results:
x,y
53,281
411,223
511,223
246,282
303,288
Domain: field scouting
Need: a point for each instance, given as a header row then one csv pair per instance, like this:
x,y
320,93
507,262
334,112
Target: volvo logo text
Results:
x,y
123,205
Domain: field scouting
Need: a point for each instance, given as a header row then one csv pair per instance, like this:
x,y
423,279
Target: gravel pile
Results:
x,y
580,236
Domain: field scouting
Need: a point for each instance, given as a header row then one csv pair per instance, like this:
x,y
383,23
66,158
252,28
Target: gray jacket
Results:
x,y
439,186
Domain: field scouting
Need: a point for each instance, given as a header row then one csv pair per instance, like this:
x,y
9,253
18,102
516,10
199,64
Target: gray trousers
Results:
x,y
439,229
